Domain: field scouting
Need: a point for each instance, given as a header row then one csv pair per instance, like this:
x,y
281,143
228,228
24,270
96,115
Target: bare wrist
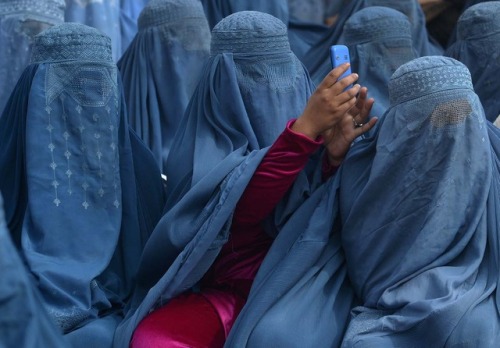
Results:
x,y
304,128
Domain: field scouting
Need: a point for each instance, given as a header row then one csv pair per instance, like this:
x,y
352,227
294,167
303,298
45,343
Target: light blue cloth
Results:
x,y
419,215
251,86
161,69
379,41
478,47
104,15
216,10
129,12
23,320
69,181
20,21
424,45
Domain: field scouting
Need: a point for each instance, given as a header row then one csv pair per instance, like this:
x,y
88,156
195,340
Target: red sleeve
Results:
x,y
240,258
274,176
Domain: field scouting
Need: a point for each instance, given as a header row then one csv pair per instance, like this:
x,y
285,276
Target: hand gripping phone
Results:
x,y
339,54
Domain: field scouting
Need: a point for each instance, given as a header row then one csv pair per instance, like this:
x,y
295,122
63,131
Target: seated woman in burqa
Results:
x,y
420,221
230,163
81,192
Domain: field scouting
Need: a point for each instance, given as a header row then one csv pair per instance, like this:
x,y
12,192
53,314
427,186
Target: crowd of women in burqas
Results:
x,y
178,173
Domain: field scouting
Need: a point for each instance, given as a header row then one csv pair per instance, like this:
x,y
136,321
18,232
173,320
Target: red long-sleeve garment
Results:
x,y
226,286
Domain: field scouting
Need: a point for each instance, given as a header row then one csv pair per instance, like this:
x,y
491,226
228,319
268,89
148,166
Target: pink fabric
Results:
x,y
227,284
188,320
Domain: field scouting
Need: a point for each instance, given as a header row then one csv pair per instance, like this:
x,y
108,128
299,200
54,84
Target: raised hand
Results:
x,y
329,103
338,139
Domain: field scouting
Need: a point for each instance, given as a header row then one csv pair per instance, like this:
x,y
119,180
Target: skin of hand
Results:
x,y
338,139
332,110
328,104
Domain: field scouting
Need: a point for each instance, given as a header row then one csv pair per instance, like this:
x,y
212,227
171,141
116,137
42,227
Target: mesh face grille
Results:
x,y
450,113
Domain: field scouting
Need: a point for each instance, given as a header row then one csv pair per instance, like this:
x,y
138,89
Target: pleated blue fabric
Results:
x,y
71,187
20,21
425,261
478,47
249,89
24,322
161,69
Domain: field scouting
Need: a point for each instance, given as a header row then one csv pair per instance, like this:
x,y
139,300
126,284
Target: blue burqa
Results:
x,y
20,21
216,10
478,47
161,69
319,53
419,213
75,203
250,87
379,41
24,322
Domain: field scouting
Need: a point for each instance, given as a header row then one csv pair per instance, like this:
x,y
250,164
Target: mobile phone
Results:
x,y
339,54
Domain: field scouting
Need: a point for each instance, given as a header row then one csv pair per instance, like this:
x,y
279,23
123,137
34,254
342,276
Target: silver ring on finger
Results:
x,y
356,124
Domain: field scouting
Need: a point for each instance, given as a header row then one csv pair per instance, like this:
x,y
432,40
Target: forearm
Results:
x,y
274,176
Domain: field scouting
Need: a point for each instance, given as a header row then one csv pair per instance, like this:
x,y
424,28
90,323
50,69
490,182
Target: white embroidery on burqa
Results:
x,y
67,152
52,164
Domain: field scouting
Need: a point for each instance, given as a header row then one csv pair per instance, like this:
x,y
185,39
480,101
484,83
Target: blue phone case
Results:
x,y
339,54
